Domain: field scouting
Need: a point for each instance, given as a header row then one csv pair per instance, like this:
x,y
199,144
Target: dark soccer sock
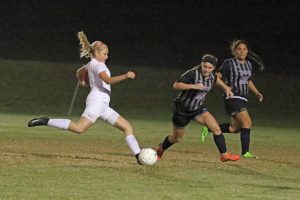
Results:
x,y
166,143
220,142
245,140
224,127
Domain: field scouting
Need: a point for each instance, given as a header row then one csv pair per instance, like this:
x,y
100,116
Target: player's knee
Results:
x,y
80,130
177,138
128,129
250,123
247,123
216,130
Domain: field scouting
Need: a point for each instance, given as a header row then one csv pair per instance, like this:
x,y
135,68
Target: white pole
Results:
x,y
73,99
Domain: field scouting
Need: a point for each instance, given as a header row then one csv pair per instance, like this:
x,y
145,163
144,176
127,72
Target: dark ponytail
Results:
x,y
254,57
251,55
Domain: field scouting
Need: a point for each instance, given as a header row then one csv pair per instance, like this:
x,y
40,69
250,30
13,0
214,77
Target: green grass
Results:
x,y
31,87
46,163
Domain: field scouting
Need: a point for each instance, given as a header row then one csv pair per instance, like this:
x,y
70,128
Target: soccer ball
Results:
x,y
148,156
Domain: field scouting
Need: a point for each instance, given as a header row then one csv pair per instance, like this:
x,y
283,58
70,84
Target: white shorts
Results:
x,y
99,108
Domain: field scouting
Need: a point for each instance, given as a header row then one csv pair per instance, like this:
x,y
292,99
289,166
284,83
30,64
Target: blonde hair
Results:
x,y
86,49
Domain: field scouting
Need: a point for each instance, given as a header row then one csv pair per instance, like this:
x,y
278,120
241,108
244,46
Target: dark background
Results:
x,y
152,33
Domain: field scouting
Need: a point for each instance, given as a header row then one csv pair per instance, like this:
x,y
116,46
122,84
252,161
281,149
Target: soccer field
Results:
x,y
142,58
46,163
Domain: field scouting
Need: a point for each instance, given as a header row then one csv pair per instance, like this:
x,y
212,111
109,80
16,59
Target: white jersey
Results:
x,y
94,68
97,102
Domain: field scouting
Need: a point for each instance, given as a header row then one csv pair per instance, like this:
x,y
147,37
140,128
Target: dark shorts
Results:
x,y
234,106
181,116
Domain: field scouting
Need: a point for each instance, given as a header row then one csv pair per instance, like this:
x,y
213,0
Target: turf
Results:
x,y
46,163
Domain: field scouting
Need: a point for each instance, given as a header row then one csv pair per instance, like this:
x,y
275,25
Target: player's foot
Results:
x,y
204,133
137,158
159,151
248,155
40,121
229,157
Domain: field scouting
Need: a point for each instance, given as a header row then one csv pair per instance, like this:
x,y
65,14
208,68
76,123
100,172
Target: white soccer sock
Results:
x,y
59,123
132,144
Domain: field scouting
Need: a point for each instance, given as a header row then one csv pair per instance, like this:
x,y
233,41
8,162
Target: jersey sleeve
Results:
x,y
188,77
100,67
225,68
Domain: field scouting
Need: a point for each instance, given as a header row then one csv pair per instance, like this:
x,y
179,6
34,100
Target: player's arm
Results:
x,y
219,75
80,74
187,86
116,79
187,82
223,86
224,70
255,91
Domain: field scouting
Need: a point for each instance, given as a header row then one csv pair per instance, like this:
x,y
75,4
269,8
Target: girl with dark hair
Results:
x,y
189,105
237,73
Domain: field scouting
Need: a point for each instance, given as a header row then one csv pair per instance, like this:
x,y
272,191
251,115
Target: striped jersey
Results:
x,y
193,99
237,76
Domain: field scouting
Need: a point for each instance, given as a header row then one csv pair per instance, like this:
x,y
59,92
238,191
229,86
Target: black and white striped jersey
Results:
x,y
193,99
237,76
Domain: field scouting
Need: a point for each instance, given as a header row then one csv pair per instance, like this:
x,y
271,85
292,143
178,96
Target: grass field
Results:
x,y
46,163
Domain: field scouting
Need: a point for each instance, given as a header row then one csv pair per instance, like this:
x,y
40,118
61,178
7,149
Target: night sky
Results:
x,y
160,33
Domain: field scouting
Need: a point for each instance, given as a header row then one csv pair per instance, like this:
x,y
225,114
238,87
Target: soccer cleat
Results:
x,y
137,158
204,133
229,157
248,155
40,121
159,151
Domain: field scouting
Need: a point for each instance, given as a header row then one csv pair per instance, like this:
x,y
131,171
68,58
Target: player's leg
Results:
x,y
177,135
209,121
245,122
233,107
88,117
179,122
110,116
169,141
122,124
233,127
78,127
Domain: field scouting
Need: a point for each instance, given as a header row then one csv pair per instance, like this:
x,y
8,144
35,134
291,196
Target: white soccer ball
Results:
x,y
147,156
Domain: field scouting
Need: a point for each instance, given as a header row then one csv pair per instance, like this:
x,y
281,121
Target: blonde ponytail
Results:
x,y
85,47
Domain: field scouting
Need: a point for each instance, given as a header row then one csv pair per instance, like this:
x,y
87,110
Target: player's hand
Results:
x,y
82,83
260,97
198,86
229,93
130,75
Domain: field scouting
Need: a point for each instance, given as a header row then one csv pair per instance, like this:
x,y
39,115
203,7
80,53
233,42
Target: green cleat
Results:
x,y
204,133
248,155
